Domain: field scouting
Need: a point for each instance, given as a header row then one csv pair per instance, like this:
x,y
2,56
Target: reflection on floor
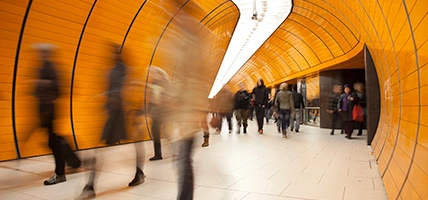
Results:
x,y
308,165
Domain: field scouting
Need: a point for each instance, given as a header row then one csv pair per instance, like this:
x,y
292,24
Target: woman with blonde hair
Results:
x,y
285,104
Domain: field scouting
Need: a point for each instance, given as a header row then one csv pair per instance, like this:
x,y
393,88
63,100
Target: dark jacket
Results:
x,y
261,95
347,115
242,100
298,100
114,129
47,92
333,101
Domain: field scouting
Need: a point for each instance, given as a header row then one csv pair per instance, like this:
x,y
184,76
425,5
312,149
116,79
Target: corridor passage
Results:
x,y
308,165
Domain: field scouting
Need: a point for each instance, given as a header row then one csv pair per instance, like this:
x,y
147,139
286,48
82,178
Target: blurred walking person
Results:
x,y
224,105
242,108
359,91
157,108
299,106
191,87
333,107
114,129
47,91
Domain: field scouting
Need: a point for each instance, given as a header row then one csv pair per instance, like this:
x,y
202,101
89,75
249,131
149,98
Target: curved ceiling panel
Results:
x,y
310,39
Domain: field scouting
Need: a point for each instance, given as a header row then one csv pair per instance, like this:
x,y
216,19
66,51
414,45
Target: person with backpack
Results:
x,y
242,108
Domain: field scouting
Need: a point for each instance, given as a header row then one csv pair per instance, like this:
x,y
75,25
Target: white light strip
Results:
x,y
249,35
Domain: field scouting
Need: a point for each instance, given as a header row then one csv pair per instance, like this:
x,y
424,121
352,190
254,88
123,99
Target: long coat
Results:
x,y
114,129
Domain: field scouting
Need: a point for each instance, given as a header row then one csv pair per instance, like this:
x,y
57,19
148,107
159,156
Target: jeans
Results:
x,y
284,115
267,115
295,117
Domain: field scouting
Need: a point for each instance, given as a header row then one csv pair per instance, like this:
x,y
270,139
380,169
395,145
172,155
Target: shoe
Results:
x,y
230,131
297,131
360,134
341,132
279,130
261,131
156,158
284,134
245,130
206,142
87,193
54,179
138,179
75,164
332,133
291,129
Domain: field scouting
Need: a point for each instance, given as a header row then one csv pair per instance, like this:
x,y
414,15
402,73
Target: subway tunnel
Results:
x,y
316,36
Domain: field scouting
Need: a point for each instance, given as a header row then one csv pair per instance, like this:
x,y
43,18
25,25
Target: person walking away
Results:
x,y
242,108
47,91
346,106
224,103
299,106
359,91
333,108
260,96
285,103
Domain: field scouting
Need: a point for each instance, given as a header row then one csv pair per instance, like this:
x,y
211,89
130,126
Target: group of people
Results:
x,y
341,106
286,106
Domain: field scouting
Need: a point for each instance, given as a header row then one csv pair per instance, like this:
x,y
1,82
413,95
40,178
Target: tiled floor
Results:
x,y
309,165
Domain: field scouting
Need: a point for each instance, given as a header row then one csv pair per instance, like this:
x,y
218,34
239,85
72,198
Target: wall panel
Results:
x,y
82,30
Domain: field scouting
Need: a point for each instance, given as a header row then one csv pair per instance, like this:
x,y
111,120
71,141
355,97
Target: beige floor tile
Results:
x,y
206,193
302,190
347,181
260,186
363,194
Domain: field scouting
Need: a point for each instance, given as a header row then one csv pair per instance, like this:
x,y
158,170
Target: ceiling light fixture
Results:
x,y
250,33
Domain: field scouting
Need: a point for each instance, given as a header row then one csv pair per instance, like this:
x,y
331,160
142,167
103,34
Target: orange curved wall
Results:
x,y
320,34
317,35
82,31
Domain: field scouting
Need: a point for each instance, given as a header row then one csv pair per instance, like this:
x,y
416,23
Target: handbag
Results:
x,y
358,113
